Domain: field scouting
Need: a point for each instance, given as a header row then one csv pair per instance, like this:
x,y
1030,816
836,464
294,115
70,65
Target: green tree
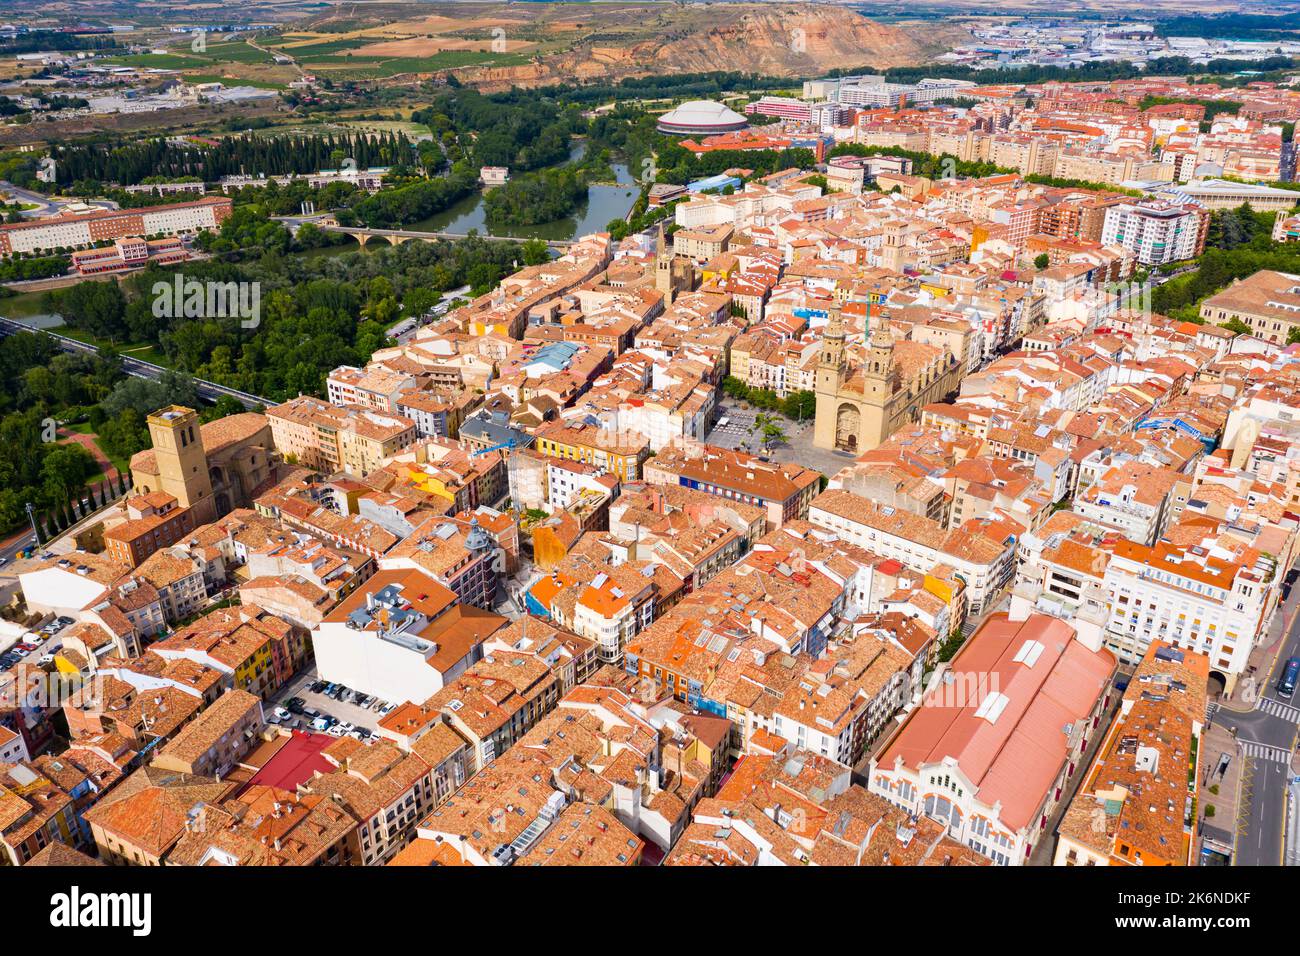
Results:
x,y
1042,260
534,252
65,469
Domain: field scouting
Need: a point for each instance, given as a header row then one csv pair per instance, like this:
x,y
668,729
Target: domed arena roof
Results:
x,y
701,117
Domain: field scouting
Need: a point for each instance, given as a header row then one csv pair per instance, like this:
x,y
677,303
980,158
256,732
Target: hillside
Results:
x,y
780,40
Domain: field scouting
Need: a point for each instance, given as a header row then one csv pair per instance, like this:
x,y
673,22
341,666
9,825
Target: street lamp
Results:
x,y
31,515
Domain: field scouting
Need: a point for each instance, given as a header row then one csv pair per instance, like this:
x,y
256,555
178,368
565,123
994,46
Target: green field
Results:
x,y
228,81
370,68
138,350
328,46
236,51
22,306
183,57
161,61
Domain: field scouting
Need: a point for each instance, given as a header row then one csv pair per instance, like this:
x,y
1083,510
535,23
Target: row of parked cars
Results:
x,y
296,712
346,695
23,649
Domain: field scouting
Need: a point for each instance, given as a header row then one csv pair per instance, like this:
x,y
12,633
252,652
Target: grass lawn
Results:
x,y
22,306
143,351
84,428
234,81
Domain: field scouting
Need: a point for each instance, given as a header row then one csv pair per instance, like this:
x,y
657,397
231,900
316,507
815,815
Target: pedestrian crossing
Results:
x,y
1278,709
1260,751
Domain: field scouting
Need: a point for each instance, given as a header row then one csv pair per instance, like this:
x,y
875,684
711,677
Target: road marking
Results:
x,y
1258,751
1278,709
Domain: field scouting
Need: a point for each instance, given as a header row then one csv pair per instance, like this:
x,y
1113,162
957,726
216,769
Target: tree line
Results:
x,y
316,313
127,164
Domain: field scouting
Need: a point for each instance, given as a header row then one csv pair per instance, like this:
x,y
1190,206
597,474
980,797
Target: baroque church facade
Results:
x,y
861,405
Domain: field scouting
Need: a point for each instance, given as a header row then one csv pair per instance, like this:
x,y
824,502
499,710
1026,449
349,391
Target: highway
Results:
x,y
1266,738
133,366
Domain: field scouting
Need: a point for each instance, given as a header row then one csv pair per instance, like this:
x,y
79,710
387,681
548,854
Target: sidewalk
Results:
x,y
1264,654
1216,740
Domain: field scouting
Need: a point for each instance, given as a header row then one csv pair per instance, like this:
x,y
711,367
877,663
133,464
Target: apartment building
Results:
x,y
212,744
1132,808
140,821
256,651
1206,600
35,812
84,229
984,563
331,438
154,520
621,453
376,387
1157,232
783,490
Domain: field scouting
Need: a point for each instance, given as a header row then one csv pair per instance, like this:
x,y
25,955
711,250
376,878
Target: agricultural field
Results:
x,y
416,45
227,61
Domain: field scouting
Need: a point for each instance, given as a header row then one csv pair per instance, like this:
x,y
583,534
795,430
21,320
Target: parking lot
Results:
x,y
738,433
363,718
35,649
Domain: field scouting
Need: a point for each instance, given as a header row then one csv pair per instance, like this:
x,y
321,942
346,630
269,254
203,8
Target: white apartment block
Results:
x,y
1208,603
1155,232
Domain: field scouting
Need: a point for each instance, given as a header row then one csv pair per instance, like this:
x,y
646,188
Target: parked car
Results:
x,y
65,621
317,686
321,723
282,713
347,726
383,711
295,705
46,659
337,731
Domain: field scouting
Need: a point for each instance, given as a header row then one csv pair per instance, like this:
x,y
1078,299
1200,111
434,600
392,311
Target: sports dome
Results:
x,y
701,117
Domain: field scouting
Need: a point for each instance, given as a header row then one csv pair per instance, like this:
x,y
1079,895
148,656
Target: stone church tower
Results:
x,y
673,274
182,462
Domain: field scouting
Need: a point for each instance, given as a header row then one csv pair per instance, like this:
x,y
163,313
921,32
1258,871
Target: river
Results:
x,y
604,203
